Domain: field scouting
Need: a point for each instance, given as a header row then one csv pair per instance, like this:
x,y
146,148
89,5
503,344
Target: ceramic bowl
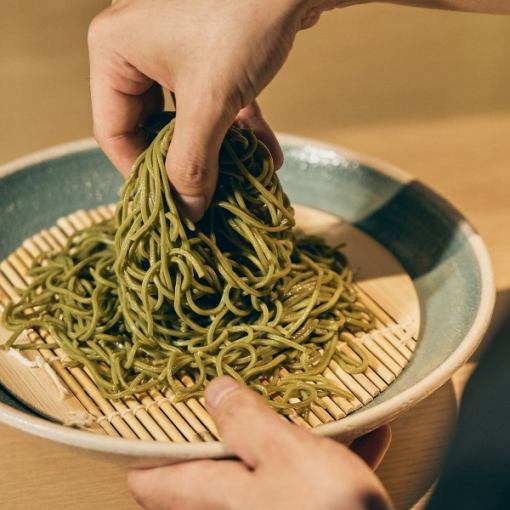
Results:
x,y
437,246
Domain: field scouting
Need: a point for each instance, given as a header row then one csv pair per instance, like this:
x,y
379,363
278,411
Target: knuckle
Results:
x,y
220,98
189,175
98,133
232,97
239,401
106,141
99,29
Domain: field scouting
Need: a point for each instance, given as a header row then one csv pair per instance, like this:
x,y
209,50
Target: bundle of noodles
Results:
x,y
148,297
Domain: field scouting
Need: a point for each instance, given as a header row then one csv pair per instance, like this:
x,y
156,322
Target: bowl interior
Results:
x,y
434,243
429,237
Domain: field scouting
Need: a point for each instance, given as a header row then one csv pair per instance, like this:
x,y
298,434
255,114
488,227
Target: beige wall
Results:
x,y
377,63
359,67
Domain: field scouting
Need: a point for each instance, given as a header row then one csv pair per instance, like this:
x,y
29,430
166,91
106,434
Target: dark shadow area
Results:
x,y
487,406
410,467
476,473
500,316
10,400
416,225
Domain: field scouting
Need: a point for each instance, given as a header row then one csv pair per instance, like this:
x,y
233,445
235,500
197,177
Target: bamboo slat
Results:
x,y
383,287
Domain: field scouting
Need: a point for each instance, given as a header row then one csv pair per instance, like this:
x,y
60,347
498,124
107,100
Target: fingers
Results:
x,y
251,117
192,162
248,425
373,446
121,98
117,120
190,485
123,95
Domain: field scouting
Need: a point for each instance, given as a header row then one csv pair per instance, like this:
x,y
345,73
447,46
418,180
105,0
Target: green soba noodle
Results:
x,y
146,298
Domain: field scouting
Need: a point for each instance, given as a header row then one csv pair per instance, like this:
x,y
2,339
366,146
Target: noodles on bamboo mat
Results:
x,y
118,323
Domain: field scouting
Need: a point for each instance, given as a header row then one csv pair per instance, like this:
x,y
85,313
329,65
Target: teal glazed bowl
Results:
x,y
439,249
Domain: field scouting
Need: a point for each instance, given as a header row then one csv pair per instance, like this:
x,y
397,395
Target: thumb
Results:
x,y
192,161
248,425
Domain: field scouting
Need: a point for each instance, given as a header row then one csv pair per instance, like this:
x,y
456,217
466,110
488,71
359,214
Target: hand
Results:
x,y
281,466
215,56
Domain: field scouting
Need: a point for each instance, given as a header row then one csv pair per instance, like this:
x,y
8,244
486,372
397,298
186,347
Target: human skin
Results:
x,y
280,466
216,57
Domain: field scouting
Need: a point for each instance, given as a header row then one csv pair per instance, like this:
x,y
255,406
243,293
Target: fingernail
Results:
x,y
193,206
218,389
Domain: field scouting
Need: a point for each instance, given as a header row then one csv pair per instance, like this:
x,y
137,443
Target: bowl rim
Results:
x,y
345,429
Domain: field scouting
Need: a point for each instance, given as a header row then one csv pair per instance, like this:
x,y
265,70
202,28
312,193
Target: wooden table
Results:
x,y
441,111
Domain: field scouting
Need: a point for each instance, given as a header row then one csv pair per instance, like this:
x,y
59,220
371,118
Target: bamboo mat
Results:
x,y
69,396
